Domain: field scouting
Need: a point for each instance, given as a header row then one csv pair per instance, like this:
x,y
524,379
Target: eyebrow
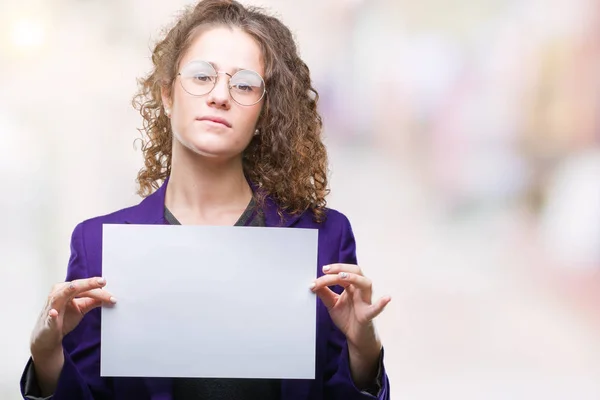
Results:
x,y
216,66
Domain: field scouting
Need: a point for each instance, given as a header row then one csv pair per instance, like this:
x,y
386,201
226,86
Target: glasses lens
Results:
x,y
246,87
198,78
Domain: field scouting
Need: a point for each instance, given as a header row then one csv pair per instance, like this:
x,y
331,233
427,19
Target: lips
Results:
x,y
217,120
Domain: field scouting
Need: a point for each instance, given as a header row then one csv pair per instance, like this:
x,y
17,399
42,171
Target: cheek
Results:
x,y
183,116
184,105
249,119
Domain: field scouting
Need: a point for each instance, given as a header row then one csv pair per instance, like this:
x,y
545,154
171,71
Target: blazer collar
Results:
x,y
151,209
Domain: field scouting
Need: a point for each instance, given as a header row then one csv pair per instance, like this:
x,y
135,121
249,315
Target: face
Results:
x,y
214,124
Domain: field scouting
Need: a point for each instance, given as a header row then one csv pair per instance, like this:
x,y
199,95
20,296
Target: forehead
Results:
x,y
228,49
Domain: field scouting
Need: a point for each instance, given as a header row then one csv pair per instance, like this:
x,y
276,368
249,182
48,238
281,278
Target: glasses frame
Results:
x,y
217,74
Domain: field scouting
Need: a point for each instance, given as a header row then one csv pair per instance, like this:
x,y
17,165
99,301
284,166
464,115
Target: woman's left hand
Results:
x,y
353,311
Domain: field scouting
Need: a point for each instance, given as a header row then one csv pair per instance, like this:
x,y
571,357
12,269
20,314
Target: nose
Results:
x,y
219,97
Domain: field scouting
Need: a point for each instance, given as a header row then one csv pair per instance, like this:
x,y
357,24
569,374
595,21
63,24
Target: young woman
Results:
x,y
233,138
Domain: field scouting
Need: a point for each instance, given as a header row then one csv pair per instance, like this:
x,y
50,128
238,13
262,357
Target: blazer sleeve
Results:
x,y
340,385
80,376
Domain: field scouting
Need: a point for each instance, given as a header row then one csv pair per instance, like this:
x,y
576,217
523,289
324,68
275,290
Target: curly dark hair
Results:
x,y
288,160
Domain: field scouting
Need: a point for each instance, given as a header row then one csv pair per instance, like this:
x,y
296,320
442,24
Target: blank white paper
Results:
x,y
209,301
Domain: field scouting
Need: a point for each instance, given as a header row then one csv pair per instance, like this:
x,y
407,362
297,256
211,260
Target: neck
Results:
x,y
202,190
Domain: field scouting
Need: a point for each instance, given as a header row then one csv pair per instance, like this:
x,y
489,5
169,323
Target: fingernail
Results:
x,y
343,275
113,300
101,281
326,268
313,285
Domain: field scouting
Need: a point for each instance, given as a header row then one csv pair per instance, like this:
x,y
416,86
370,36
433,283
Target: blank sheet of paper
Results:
x,y
209,301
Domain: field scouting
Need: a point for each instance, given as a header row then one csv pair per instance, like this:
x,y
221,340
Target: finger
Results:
x,y
328,297
98,294
378,307
73,288
344,279
337,268
51,317
87,304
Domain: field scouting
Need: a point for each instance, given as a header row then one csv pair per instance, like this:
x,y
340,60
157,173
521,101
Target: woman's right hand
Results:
x,y
66,306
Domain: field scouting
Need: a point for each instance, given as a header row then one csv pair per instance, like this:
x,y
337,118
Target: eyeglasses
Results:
x,y
199,78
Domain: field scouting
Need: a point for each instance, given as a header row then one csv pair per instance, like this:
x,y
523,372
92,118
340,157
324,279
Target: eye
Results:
x,y
243,87
202,77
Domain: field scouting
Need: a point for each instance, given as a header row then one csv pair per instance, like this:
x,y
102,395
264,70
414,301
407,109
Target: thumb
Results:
x,y
328,297
378,307
52,318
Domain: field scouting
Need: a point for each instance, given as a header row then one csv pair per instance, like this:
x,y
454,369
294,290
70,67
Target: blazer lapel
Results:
x,y
274,215
150,210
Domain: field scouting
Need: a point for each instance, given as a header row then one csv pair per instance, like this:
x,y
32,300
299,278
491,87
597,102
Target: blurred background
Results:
x,y
464,138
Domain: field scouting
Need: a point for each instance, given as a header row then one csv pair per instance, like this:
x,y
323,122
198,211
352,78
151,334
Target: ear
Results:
x,y
261,115
165,94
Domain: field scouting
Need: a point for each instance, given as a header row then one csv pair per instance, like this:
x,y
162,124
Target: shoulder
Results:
x,y
86,243
336,219
90,229
336,238
334,222
114,217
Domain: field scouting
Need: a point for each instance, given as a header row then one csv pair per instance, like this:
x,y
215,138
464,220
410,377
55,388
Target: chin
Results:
x,y
207,145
